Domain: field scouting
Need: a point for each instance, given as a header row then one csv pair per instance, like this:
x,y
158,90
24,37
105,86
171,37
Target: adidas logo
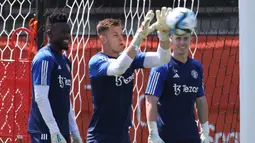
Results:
x,y
176,76
59,67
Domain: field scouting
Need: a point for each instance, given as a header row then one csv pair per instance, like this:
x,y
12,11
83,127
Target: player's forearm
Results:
x,y
164,41
72,122
165,44
134,47
151,114
43,103
202,109
120,65
151,108
153,59
163,54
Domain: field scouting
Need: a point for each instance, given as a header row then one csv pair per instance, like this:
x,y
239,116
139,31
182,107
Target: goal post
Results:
x,y
247,70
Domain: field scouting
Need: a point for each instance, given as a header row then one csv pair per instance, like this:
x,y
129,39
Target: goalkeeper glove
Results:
x,y
76,137
204,132
57,138
161,24
143,31
153,133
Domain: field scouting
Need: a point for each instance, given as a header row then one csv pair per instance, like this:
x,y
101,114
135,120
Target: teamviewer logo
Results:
x,y
63,81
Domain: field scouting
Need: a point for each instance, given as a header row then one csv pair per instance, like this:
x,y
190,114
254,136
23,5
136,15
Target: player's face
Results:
x,y
181,44
60,35
114,39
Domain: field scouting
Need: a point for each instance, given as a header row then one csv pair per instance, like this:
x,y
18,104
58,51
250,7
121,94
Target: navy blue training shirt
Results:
x,y
177,85
111,96
54,70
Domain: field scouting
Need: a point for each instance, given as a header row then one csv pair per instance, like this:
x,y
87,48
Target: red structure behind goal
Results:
x,y
218,55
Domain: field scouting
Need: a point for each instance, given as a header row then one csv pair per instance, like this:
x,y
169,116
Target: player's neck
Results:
x,y
109,52
57,50
182,58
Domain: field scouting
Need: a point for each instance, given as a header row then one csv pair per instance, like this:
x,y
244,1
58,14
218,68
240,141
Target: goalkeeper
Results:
x,y
171,92
51,117
112,75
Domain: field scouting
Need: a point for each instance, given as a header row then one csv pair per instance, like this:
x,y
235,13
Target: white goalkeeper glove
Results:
x,y
204,128
161,24
144,30
57,138
76,138
153,133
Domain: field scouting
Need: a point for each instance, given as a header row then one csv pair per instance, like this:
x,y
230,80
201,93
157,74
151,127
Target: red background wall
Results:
x,y
218,55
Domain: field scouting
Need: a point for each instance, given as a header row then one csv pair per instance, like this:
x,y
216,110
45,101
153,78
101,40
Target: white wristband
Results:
x,y
204,128
163,36
153,129
136,42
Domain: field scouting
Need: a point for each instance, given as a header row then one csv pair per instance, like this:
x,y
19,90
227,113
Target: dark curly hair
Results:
x,y
55,18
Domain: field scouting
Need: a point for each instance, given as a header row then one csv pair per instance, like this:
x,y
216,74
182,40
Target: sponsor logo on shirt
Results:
x,y
120,80
184,88
63,81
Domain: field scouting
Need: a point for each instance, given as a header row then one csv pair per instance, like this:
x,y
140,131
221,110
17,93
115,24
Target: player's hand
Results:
x,y
153,133
161,24
204,138
57,138
204,128
76,138
154,138
144,29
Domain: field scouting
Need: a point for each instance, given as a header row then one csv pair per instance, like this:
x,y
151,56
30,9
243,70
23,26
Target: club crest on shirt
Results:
x,y
194,74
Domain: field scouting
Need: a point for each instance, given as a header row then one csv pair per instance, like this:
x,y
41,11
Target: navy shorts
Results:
x,y
103,138
44,138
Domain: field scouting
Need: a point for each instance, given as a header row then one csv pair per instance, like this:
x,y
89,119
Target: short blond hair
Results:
x,y
105,24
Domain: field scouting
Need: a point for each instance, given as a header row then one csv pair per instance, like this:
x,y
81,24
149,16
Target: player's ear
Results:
x,y
102,38
49,33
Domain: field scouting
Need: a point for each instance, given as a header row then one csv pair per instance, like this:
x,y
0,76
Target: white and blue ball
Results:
x,y
181,20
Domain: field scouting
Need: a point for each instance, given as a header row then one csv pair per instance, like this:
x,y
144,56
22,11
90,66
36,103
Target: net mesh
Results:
x,y
215,46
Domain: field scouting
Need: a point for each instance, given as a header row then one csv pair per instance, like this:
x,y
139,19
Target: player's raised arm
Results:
x,y
163,53
153,92
123,62
110,61
202,110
